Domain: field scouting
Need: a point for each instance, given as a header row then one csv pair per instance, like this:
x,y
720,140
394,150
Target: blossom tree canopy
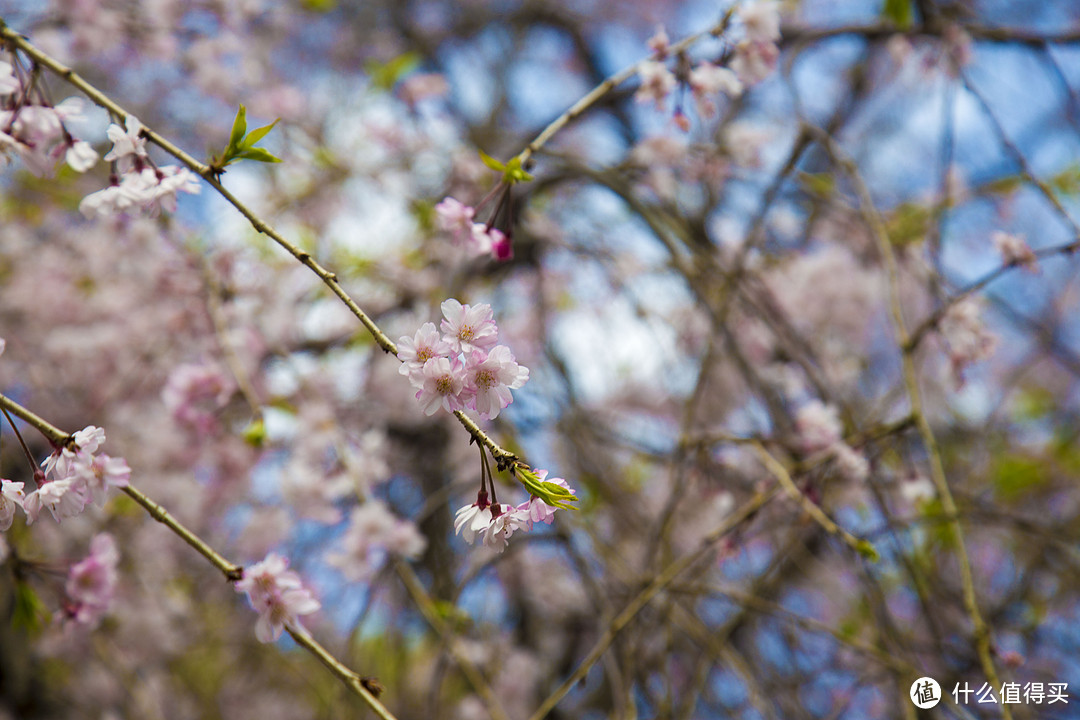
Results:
x,y
552,359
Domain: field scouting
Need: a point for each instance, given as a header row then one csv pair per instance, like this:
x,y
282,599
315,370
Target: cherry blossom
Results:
x,y
493,523
754,61
373,534
443,381
818,426
966,336
129,146
103,472
1014,250
60,463
11,496
761,20
707,80
489,379
456,218
657,82
414,352
64,498
8,82
468,328
659,43
277,595
91,583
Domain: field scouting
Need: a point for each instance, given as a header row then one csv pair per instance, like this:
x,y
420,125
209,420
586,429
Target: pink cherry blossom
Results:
x,y
754,61
455,217
277,594
818,426
468,328
60,463
81,156
373,534
492,523
64,498
761,20
103,472
128,143
195,393
8,82
657,82
443,381
1014,250
489,379
967,338
659,43
91,583
471,520
11,496
415,351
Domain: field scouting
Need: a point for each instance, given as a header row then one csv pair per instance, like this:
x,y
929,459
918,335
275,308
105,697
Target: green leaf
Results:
x,y
258,154
515,173
29,612
552,494
385,75
258,134
239,127
492,162
820,184
899,11
867,550
1004,185
908,224
1067,182
1016,475
255,433
319,6
512,170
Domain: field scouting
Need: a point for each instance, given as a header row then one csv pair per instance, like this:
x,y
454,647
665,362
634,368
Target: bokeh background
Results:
x,y
684,299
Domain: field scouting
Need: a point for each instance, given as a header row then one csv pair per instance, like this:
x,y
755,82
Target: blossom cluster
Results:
x,y
754,59
140,185
73,478
34,130
462,367
373,534
820,431
91,583
967,337
276,593
494,523
458,220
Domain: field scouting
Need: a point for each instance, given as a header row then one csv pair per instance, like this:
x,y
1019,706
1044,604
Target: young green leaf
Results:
x,y
258,134
492,162
258,154
239,127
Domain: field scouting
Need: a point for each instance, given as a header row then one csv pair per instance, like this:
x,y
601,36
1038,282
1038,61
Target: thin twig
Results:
x,y
777,469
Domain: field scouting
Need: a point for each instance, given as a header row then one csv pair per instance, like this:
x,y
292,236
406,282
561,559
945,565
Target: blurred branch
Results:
x,y
360,686
911,382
